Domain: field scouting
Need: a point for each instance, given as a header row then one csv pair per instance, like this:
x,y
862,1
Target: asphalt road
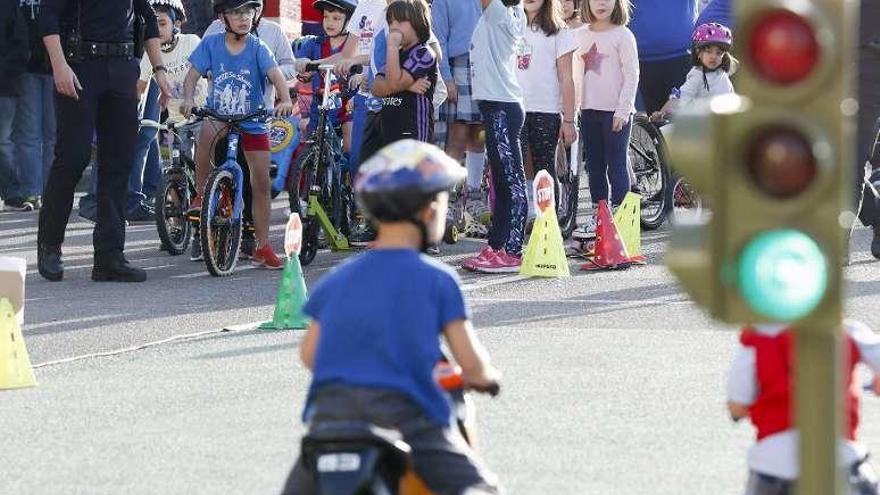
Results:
x,y
613,381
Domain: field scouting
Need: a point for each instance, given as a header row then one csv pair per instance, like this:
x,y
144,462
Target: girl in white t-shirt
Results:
x,y
545,75
610,81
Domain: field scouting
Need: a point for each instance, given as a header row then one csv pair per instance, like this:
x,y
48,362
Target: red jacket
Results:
x,y
771,413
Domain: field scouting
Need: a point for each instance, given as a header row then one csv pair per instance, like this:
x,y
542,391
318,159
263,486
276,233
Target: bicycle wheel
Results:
x,y
648,159
309,241
175,231
568,184
220,233
686,203
298,194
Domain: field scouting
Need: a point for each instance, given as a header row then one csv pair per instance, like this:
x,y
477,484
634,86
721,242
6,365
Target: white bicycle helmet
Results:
x,y
174,5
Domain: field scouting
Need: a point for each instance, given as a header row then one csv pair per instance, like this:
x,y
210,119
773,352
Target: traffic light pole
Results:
x,y
818,407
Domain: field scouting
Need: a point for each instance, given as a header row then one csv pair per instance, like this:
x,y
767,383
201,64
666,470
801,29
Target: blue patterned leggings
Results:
x,y
503,123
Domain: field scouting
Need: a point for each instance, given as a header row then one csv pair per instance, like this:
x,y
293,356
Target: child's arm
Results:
x,y
629,66
189,89
310,345
285,107
566,82
396,78
470,354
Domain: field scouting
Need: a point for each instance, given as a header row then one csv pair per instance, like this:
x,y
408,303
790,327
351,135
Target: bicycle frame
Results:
x,y
231,164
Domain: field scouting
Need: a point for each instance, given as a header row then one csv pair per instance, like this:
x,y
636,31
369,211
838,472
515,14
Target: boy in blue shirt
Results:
x,y
377,321
238,64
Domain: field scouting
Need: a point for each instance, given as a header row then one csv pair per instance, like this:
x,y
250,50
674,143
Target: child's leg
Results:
x,y
256,151
594,144
503,124
543,139
209,132
346,137
445,462
616,146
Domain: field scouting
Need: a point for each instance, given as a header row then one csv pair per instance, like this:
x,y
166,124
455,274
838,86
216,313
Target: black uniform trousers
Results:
x,y
107,107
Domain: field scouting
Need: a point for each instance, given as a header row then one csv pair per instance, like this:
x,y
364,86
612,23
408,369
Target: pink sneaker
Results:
x,y
486,253
502,262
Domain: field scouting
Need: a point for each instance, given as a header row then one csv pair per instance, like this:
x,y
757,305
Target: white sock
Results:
x,y
474,163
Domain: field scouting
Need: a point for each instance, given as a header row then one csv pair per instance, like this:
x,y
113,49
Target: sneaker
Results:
x,y
140,213
362,234
433,250
471,263
266,257
194,212
19,204
477,206
502,262
586,232
36,201
195,252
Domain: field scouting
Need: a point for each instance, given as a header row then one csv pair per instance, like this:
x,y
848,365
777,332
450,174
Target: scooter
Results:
x,y
359,458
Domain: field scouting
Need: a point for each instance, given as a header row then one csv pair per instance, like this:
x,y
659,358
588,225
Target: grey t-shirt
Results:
x,y
272,35
498,36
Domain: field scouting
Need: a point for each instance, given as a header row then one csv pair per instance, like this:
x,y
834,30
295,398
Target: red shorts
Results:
x,y
255,142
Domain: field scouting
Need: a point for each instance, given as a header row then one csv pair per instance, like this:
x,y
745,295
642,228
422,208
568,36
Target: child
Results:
x,y
405,114
374,360
710,75
571,13
610,80
759,387
13,56
336,14
239,64
547,49
496,42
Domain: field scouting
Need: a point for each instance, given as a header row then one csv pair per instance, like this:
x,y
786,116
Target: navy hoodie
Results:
x,y
663,28
720,11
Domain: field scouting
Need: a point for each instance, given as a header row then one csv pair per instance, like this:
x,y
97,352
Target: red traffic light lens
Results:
x,y
781,161
783,47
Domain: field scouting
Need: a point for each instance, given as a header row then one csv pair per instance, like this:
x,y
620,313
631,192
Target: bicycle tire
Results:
x,y
568,185
309,241
650,165
220,234
298,193
175,231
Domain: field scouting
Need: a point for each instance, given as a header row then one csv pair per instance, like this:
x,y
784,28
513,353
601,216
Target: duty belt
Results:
x,y
95,49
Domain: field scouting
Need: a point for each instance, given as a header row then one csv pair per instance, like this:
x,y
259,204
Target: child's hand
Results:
x,y
617,124
284,109
569,133
343,67
356,81
395,39
420,87
186,107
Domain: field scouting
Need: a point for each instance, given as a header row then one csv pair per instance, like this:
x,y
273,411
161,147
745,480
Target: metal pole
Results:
x,y
819,405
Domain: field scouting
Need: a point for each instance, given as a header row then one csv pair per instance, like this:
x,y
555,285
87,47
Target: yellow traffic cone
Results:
x,y
629,226
545,252
292,293
15,365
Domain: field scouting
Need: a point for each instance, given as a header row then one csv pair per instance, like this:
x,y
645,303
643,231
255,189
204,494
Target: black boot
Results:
x,y
49,262
113,267
875,243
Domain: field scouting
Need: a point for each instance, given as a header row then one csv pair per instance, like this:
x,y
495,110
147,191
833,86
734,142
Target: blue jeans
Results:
x,y
146,172
8,176
34,132
606,156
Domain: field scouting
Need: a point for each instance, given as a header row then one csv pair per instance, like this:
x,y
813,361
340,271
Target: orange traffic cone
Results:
x,y
610,251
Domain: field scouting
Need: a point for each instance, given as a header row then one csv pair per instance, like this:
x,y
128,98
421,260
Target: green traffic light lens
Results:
x,y
782,274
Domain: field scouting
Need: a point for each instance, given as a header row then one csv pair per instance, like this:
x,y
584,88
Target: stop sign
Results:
x,y
545,197
293,236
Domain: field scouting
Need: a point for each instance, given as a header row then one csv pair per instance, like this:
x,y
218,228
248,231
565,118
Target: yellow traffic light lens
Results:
x,y
781,162
783,47
782,274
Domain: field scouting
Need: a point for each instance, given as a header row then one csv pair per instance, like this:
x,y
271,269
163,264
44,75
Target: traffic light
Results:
x,y
773,163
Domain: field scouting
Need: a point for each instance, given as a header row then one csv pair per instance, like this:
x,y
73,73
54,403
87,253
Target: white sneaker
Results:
x,y
588,231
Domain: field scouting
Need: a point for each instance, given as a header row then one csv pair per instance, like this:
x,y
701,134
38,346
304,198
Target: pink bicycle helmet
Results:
x,y
712,33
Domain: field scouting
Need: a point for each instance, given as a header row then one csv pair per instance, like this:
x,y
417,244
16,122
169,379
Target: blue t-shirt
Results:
x,y
663,28
237,81
381,315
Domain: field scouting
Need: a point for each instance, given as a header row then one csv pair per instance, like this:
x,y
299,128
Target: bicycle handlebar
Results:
x,y
314,67
202,113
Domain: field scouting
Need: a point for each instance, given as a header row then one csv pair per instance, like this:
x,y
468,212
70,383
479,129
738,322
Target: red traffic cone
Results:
x,y
610,251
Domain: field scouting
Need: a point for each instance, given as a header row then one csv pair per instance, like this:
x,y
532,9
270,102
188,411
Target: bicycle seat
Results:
x,y
347,455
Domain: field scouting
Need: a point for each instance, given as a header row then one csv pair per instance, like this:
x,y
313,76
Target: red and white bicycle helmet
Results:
x,y
712,33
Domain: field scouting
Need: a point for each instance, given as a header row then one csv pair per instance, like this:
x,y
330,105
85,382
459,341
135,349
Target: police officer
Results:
x,y
94,56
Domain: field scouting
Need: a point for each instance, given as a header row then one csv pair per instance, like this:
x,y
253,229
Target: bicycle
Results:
x,y
220,221
665,194
177,190
323,192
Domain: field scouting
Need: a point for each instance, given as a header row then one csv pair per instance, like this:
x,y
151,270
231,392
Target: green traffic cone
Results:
x,y
292,294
